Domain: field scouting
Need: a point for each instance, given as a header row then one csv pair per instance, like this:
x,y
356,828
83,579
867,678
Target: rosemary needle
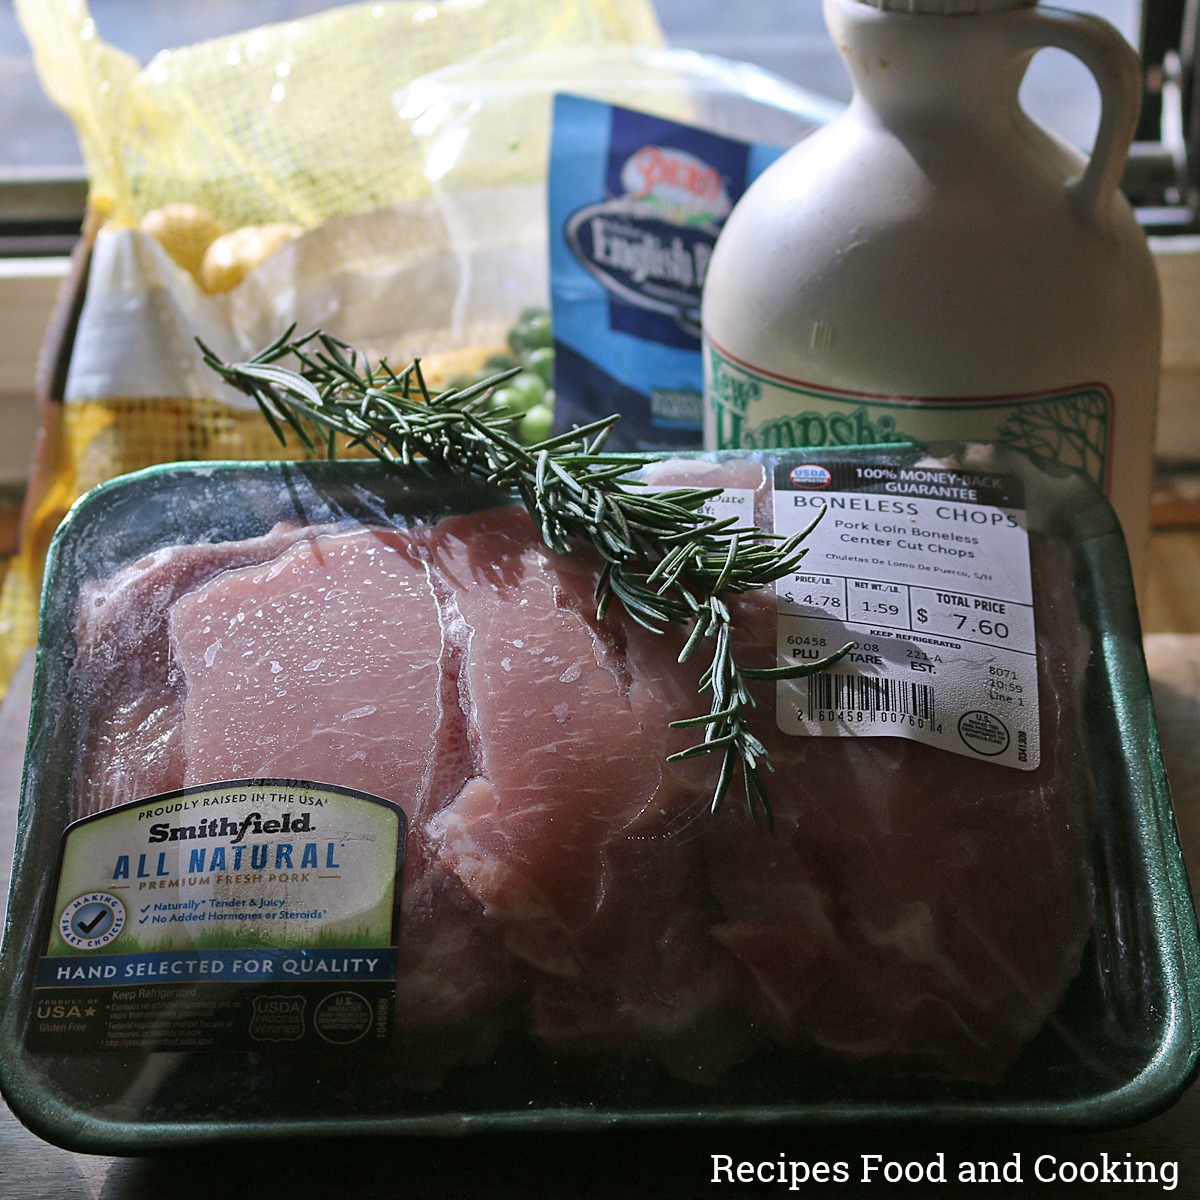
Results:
x,y
663,558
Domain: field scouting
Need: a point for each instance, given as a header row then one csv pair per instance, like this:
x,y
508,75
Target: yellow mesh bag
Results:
x,y
267,164
291,122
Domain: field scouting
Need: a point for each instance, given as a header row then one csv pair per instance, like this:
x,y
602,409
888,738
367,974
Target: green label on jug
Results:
x,y
752,409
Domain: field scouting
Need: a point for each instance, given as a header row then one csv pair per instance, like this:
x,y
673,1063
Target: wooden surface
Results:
x,y
656,1164
1172,598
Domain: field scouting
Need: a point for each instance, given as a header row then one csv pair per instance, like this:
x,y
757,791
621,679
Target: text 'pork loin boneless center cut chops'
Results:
x,y
912,908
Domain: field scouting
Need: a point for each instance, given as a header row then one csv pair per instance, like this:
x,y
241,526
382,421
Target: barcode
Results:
x,y
871,694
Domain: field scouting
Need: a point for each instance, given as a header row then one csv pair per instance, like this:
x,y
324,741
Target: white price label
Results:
x,y
926,570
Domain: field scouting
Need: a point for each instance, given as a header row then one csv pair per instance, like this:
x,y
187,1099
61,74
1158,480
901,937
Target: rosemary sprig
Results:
x,y
664,560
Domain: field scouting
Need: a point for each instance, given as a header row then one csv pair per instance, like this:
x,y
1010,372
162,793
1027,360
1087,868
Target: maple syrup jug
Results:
x,y
934,264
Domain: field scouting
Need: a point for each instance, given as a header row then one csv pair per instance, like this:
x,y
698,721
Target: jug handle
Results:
x,y
1118,72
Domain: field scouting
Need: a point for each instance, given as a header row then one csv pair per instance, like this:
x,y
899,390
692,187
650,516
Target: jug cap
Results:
x,y
949,8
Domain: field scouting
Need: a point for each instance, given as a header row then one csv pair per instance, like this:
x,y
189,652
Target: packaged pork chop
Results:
x,y
345,810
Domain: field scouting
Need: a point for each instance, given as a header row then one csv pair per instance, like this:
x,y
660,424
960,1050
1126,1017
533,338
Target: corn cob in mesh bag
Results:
x,y
374,170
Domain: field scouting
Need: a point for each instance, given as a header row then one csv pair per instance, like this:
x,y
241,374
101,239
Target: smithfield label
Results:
x,y
635,204
251,914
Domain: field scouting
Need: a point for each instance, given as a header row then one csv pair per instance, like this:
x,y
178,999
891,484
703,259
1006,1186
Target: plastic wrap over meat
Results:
x,y
910,909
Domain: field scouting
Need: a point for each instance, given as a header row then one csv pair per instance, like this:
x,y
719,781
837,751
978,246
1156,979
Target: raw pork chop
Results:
x,y
323,659
911,907
562,833
328,663
132,741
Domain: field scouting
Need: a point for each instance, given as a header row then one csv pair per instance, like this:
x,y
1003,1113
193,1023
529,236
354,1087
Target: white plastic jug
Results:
x,y
933,264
